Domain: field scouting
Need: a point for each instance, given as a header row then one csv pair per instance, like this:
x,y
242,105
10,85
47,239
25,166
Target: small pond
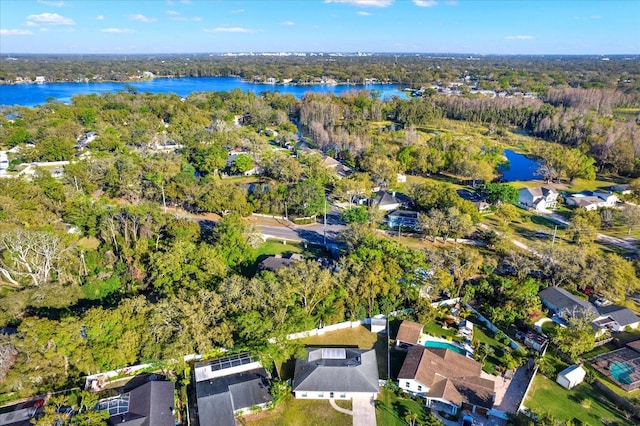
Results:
x,y
518,167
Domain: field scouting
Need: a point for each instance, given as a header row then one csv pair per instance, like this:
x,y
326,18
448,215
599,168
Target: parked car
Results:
x,y
467,421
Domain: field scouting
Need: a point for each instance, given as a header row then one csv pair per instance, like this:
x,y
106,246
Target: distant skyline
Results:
x,y
436,26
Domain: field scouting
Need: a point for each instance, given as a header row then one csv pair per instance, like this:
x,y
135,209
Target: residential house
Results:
x,y
587,202
408,334
336,166
539,198
624,189
610,199
85,139
560,302
389,201
606,317
403,218
571,376
447,380
593,200
336,373
40,79
149,404
616,318
228,387
273,263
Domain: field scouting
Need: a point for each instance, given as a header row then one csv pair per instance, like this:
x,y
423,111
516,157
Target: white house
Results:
x,y
336,373
571,376
539,198
229,387
447,380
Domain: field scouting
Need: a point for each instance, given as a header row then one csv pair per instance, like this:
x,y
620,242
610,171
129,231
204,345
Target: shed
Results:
x,y
571,376
378,325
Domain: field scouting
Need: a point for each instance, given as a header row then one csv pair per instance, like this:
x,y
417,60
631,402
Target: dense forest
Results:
x,y
135,282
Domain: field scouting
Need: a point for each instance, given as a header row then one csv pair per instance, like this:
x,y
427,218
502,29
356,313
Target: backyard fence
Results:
x,y
493,328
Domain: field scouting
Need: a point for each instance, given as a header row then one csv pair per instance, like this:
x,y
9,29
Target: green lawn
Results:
x,y
352,337
392,408
433,329
582,403
483,335
300,412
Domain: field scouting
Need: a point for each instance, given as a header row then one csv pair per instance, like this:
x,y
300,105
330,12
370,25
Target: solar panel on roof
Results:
x,y
230,361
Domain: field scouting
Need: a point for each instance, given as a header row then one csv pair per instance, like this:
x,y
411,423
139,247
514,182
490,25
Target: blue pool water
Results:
x,y
621,371
435,344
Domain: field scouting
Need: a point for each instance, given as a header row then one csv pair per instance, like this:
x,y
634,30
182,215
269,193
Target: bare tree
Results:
x,y
32,254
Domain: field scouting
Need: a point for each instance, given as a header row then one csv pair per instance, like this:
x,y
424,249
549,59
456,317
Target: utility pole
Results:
x,y
553,240
325,221
164,203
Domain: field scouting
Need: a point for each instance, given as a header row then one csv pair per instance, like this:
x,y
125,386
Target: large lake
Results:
x,y
36,94
519,167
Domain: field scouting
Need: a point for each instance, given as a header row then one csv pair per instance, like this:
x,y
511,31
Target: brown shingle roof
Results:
x,y
409,332
448,375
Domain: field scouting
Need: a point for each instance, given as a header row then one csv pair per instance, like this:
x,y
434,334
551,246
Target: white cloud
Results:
x,y
363,3
229,30
425,3
519,37
50,19
186,19
30,24
100,18
4,32
141,18
117,30
237,11
363,13
52,3
173,13
288,23
60,30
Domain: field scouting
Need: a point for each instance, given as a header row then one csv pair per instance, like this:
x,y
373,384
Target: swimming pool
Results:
x,y
621,372
436,344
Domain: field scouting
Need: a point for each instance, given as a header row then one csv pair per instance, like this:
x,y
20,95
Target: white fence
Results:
x,y
322,330
493,328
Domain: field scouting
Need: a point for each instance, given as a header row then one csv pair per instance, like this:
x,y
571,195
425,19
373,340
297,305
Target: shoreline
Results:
x,y
144,80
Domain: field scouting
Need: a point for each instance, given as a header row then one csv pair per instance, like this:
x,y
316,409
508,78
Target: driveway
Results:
x,y
509,393
364,412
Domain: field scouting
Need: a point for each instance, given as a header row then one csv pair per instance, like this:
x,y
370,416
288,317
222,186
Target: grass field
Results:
x,y
392,408
299,412
583,403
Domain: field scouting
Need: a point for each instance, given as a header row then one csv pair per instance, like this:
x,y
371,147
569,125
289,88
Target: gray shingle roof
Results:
x,y
219,397
619,314
150,404
357,371
559,299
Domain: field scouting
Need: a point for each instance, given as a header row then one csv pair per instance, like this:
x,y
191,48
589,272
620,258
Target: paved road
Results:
x,y
313,234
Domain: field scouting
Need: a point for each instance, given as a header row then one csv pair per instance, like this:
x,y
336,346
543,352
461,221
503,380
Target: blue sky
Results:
x,y
211,26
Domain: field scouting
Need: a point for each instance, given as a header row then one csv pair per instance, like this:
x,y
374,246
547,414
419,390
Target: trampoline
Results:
x,y
621,371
